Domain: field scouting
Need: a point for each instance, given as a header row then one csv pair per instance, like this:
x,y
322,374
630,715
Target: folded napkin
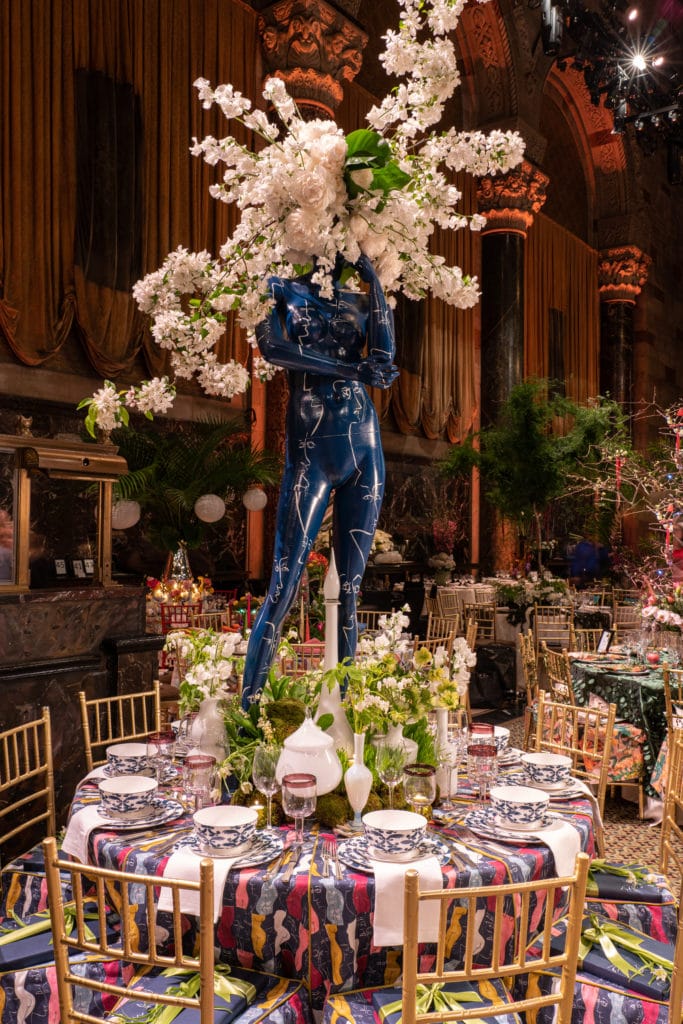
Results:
x,y
78,832
564,843
183,865
595,806
388,916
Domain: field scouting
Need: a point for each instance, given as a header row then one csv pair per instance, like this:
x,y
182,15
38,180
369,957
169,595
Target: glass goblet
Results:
x,y
266,757
390,761
482,766
449,756
160,751
419,786
199,780
298,800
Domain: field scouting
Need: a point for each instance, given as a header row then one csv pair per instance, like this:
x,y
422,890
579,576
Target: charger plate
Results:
x,y
359,855
163,810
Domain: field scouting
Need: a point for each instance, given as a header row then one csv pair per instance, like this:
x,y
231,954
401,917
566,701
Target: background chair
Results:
x,y
449,603
439,625
491,981
527,657
558,674
585,736
586,639
471,632
178,616
553,624
125,718
485,617
673,698
671,837
210,620
368,619
27,793
302,658
627,621
435,643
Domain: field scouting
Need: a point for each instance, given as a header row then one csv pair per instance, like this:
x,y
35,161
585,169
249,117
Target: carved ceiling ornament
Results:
x,y
509,201
313,48
622,272
487,63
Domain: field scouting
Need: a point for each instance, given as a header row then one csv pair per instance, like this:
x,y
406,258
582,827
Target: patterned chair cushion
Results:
x,y
378,1005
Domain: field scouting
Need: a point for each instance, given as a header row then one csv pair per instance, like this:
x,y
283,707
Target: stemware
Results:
x,y
266,757
390,762
298,800
449,755
184,741
419,786
199,780
160,751
482,757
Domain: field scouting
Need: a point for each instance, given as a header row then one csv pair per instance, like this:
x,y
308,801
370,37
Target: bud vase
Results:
x,y
358,780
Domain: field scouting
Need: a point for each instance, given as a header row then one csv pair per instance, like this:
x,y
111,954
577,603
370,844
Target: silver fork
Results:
x,y
483,844
328,851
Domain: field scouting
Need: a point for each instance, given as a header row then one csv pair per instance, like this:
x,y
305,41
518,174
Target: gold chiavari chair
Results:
x,y
485,617
438,625
527,657
488,978
160,971
626,621
27,792
583,734
553,623
210,620
178,616
434,644
449,603
368,619
586,639
558,674
671,836
121,719
673,698
298,659
471,631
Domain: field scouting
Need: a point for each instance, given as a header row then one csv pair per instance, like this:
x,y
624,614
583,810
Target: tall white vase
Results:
x,y
208,729
394,737
358,780
443,774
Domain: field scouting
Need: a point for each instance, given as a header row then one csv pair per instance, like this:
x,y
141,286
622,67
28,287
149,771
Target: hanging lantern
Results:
x,y
255,499
124,514
209,508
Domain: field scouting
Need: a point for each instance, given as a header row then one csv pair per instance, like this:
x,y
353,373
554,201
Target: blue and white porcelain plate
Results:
x,y
562,791
357,853
171,773
163,810
486,824
264,847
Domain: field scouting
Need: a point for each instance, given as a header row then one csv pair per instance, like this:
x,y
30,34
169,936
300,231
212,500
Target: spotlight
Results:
x,y
639,62
632,13
657,62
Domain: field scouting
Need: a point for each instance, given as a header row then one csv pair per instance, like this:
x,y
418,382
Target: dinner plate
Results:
x,y
170,774
356,853
163,810
563,791
485,823
509,756
263,848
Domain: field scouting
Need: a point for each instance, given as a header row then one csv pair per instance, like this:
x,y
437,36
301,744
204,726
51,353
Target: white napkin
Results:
x,y
183,864
388,917
564,842
78,832
595,806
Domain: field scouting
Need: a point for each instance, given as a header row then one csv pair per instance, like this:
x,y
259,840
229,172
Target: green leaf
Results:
x,y
325,721
367,145
390,178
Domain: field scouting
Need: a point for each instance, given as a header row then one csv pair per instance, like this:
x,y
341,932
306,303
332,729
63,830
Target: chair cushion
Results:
x,y
19,948
29,996
368,1006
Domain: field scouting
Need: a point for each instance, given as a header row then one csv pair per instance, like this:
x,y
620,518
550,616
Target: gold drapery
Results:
x,y
157,48
561,273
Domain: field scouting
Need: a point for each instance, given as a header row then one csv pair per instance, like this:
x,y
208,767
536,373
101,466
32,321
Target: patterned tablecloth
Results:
x,y
639,700
318,928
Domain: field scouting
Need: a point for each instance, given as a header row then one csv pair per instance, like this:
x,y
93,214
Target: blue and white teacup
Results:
x,y
225,830
501,737
394,835
519,806
547,769
128,759
128,796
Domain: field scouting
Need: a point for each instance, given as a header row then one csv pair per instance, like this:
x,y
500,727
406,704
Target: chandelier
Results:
x,y
631,60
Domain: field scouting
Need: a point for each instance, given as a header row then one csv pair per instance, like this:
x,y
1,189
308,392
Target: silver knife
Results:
x,y
292,863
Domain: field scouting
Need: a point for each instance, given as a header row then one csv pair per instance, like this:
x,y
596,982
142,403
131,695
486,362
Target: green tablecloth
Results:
x,y
639,699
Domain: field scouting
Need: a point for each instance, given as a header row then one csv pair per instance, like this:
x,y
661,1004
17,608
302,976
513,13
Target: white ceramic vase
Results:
x,y
394,737
208,729
358,780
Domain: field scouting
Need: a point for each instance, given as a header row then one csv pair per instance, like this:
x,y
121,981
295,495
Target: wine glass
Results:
x,y
199,780
390,762
160,750
419,786
298,800
266,757
449,756
482,764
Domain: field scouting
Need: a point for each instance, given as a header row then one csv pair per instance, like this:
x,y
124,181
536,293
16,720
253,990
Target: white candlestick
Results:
x,y
330,700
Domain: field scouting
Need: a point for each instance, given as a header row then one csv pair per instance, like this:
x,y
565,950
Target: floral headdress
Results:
x,y
312,194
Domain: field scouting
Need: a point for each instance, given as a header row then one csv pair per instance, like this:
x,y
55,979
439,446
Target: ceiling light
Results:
x,y
632,13
639,62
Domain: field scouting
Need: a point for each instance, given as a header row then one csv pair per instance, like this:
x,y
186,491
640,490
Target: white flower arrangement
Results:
x,y
207,661
390,638
442,561
312,194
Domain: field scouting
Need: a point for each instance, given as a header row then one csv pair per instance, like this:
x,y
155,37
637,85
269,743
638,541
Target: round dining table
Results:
x,y
314,923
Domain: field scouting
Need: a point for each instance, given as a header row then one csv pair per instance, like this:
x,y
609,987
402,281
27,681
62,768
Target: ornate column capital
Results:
x,y
313,48
509,201
622,272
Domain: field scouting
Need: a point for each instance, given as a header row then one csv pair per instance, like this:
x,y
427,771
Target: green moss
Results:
x,y
285,715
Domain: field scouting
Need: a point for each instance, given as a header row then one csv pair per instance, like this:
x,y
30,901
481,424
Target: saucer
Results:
x,y
546,820
358,854
263,848
163,810
559,791
509,755
485,823
170,773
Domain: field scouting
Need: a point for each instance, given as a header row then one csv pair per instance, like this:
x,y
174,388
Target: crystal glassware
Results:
x,y
419,786
390,761
199,780
266,757
298,800
160,751
482,765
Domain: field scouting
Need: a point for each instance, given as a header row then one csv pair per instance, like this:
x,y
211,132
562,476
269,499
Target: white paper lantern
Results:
x,y
124,514
255,499
209,508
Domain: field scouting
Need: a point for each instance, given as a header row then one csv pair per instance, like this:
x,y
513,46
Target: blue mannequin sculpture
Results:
x,y
333,444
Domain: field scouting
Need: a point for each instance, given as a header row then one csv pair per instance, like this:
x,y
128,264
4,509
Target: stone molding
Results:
x,y
313,47
509,201
622,272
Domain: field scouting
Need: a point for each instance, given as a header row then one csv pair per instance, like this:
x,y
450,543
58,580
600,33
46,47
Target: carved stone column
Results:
x,y
313,47
622,272
509,203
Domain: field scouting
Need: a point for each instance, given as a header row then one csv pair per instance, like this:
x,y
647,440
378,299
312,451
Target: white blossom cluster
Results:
x,y
206,660
310,194
391,638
